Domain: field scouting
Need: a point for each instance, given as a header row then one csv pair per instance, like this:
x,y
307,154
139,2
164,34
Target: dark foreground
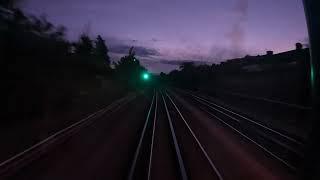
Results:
x,y
158,135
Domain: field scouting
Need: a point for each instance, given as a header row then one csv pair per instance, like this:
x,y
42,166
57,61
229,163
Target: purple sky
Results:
x,y
204,30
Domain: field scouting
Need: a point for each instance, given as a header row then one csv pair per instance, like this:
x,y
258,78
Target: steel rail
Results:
x,y
152,138
30,153
272,101
138,149
182,168
249,120
276,141
214,168
248,138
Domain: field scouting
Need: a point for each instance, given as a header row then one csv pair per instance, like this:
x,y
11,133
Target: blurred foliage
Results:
x,y
190,76
282,76
45,71
10,4
129,70
101,50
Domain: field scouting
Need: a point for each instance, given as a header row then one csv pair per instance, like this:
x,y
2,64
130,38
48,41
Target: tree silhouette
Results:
x,y
45,25
129,69
42,64
59,32
101,50
84,46
188,72
187,66
19,17
128,64
131,52
10,4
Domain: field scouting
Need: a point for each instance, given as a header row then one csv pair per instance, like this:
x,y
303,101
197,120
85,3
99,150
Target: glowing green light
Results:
x,y
145,76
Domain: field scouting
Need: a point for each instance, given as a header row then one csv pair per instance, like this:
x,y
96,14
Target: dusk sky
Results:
x,y
165,31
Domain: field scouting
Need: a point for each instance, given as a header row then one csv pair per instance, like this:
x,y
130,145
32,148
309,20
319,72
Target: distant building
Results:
x,y
270,61
298,46
269,53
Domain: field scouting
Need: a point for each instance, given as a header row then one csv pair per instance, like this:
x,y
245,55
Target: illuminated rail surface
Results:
x,y
280,146
170,107
147,137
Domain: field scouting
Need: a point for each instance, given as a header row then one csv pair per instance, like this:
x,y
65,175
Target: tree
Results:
x,y
199,74
59,32
128,64
41,25
188,72
187,66
84,46
19,17
101,50
10,4
128,69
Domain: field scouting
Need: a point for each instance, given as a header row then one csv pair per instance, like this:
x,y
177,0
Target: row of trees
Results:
x,y
45,69
190,76
268,76
9,3
128,69
91,54
32,36
34,31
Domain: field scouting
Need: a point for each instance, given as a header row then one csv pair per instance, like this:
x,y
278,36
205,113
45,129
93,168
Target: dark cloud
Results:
x,y
139,50
179,62
122,46
155,40
237,33
219,53
157,67
237,37
241,7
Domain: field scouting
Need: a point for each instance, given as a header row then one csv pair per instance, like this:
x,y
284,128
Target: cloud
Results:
x,y
179,62
241,7
237,33
155,40
139,50
158,67
122,46
237,38
222,53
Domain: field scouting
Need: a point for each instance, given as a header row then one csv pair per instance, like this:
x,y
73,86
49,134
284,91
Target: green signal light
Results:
x,y
145,76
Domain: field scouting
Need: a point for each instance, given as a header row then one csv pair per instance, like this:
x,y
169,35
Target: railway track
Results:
x,y
166,144
280,146
190,158
27,156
